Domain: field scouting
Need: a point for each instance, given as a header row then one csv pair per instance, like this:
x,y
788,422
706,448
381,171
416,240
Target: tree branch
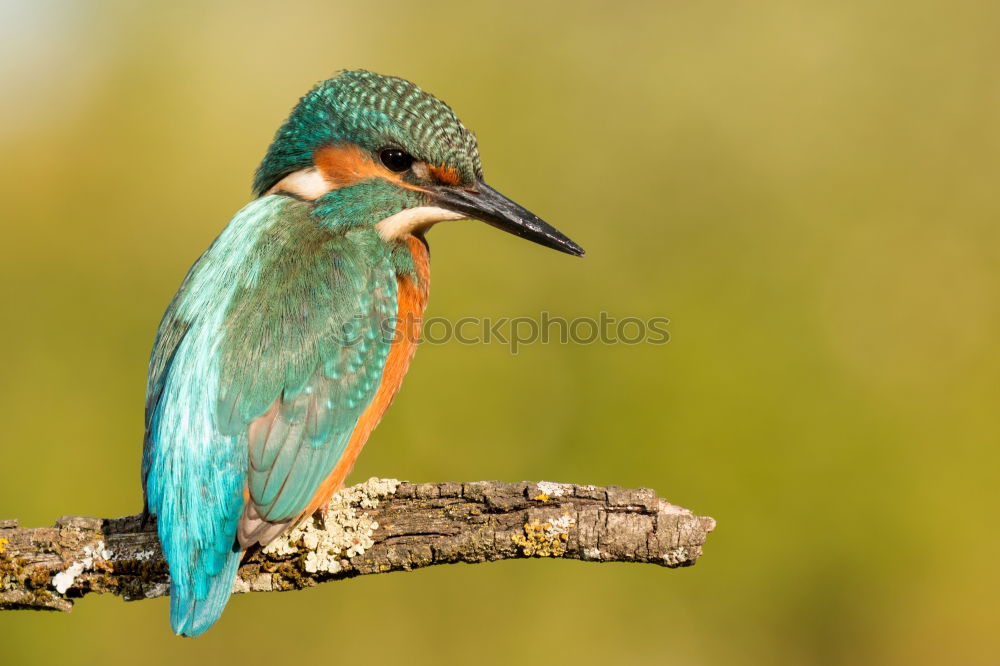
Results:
x,y
375,527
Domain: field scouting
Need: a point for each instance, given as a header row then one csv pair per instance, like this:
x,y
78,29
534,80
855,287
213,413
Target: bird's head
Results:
x,y
377,150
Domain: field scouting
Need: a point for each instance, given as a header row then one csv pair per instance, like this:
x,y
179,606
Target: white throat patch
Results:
x,y
414,219
307,184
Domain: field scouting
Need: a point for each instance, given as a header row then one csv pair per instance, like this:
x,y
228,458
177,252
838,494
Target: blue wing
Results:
x,y
280,321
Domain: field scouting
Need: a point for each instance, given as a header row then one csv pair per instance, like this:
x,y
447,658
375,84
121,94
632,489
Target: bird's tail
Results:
x,y
196,607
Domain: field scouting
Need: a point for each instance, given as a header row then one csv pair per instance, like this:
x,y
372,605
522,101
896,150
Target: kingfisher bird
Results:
x,y
290,335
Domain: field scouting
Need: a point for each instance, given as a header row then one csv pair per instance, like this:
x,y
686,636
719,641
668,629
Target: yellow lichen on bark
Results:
x,y
546,539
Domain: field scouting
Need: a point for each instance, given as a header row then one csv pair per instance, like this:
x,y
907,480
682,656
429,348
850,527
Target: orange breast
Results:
x,y
412,298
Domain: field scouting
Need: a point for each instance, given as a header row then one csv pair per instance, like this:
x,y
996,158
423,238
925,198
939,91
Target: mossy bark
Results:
x,y
415,526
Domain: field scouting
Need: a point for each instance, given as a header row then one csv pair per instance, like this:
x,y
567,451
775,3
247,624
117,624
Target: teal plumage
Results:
x,y
310,336
374,111
272,354
237,343
275,337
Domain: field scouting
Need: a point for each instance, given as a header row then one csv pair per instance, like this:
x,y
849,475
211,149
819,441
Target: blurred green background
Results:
x,y
808,190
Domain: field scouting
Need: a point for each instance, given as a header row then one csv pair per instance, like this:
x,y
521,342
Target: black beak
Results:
x,y
486,204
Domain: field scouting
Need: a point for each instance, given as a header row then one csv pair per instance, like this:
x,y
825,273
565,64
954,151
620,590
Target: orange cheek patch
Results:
x,y
345,165
445,174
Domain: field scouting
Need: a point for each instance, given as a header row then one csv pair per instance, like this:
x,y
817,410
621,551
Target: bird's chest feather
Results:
x,y
412,289
309,301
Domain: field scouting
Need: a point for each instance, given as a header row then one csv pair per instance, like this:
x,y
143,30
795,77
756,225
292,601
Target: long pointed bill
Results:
x,y
486,204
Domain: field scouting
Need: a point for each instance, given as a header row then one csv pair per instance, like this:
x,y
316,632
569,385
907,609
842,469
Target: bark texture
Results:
x,y
375,527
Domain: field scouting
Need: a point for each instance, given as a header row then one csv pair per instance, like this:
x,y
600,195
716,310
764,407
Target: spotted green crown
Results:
x,y
372,111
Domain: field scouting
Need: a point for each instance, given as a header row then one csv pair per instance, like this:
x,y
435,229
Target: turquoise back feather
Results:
x,y
283,317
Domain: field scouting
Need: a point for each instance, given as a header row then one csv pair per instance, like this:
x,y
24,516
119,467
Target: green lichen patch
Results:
x,y
341,534
678,557
11,572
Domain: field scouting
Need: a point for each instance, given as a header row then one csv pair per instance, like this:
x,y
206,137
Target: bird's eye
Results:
x,y
395,159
